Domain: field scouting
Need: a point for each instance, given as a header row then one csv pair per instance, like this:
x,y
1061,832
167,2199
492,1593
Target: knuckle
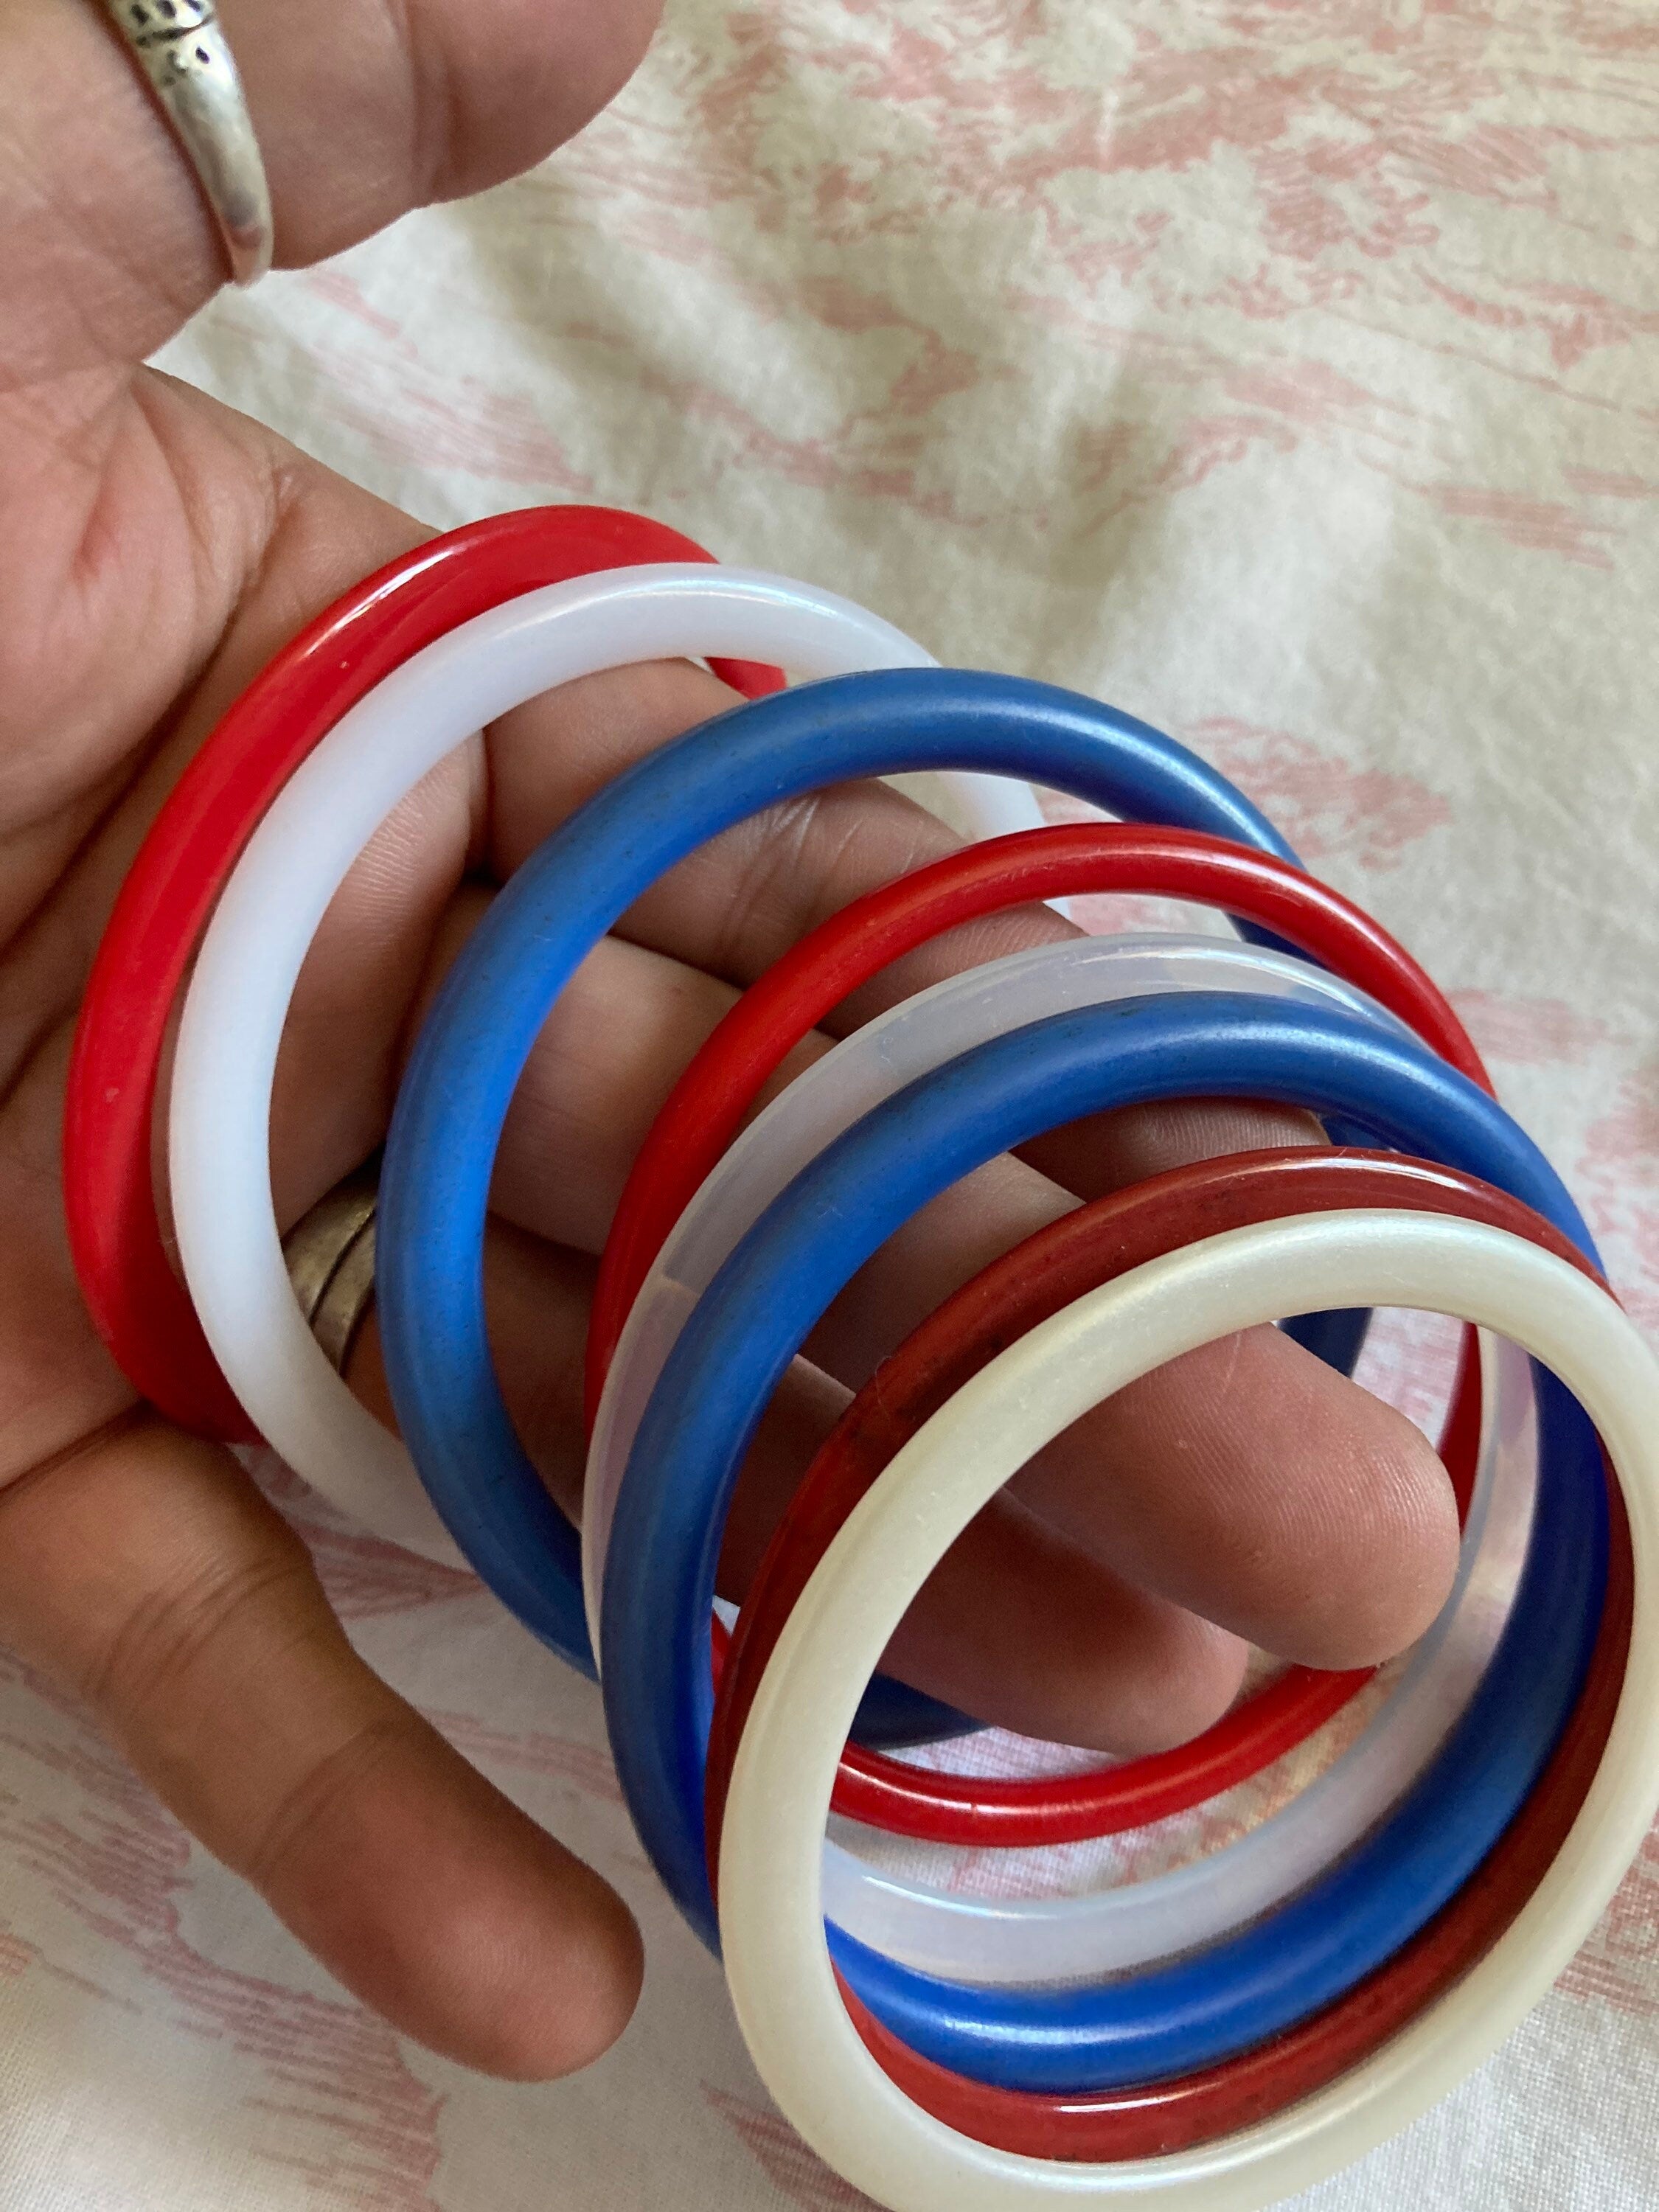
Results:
x,y
768,900
173,1633
311,1804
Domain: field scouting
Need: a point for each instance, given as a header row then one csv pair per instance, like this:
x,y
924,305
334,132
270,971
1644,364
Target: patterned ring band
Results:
x,y
187,62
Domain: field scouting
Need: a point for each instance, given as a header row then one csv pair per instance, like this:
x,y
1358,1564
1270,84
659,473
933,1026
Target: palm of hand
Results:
x,y
157,549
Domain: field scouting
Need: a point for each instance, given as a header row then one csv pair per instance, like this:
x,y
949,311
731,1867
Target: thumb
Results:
x,y
362,110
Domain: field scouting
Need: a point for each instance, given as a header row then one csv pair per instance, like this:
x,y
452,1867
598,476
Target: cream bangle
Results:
x,y
798,2033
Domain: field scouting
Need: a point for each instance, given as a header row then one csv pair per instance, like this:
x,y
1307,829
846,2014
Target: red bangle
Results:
x,y
1177,2114
706,1108
142,1309
1133,1227
1072,1255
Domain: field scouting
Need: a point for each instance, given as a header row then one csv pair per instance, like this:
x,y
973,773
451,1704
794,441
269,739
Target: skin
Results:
x,y
154,549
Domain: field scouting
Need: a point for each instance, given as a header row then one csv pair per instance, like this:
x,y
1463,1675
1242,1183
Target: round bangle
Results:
x,y
251,956
1158,2117
918,1035
769,1294
863,1068
490,1007
142,1309
1199,2009
707,1106
807,2050
1048,1271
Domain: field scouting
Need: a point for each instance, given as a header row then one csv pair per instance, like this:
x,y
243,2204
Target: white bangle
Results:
x,y
908,1041
806,2047
253,950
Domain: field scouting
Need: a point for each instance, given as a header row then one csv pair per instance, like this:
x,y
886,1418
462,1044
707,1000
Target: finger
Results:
x,y
1350,1488
145,1574
362,112
1250,1481
739,902
614,1043
1017,1626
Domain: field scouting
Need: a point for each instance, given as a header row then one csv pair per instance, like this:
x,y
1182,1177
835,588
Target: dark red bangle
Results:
x,y
142,1309
706,1108
1161,2116
1072,1255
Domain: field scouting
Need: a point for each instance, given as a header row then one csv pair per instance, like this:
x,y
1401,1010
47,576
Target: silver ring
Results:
x,y
182,51
331,1261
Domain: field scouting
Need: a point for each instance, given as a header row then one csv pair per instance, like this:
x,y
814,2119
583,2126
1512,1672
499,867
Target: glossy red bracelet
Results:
x,y
1039,1277
1162,2117
706,1106
141,1308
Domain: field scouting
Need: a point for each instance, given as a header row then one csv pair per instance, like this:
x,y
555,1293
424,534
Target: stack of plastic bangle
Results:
x,y
1219,2036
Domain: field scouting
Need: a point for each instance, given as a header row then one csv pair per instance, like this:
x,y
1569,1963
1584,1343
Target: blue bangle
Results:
x,y
737,1344
472,1049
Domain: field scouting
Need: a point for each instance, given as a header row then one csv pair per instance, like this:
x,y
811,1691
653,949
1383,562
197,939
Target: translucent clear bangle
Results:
x,y
918,1035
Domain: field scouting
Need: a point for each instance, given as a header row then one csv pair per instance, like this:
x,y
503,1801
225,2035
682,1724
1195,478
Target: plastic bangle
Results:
x,y
434,1193
909,1040
142,1309
1050,1269
294,863
806,2047
768,1295
706,1106
1071,1938
1173,2115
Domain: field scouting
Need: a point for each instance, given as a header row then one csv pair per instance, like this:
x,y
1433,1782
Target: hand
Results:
x,y
154,549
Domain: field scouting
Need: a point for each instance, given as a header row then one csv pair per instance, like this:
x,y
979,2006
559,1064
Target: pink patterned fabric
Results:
x,y
1286,371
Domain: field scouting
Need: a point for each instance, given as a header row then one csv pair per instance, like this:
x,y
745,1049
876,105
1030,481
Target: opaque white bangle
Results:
x,y
909,1040
771,1917
252,952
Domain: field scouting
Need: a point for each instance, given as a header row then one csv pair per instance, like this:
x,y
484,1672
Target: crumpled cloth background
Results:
x,y
1286,371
